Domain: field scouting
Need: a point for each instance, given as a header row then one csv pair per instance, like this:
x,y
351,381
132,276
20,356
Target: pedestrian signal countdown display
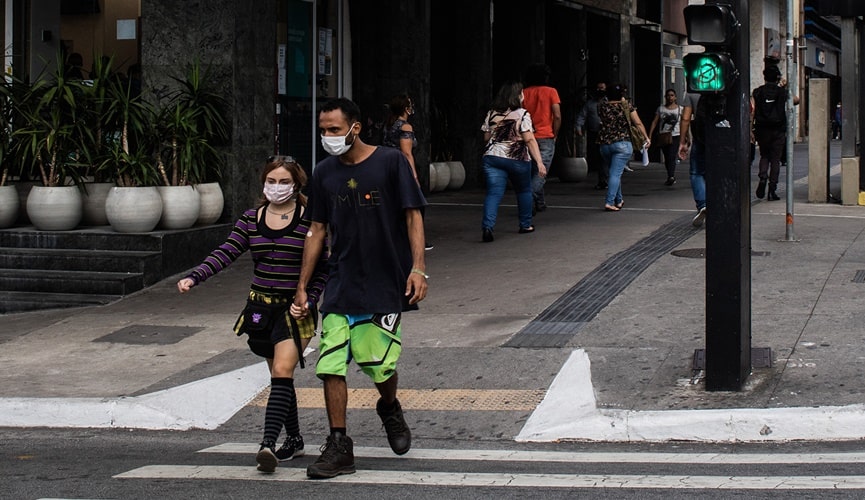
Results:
x,y
713,26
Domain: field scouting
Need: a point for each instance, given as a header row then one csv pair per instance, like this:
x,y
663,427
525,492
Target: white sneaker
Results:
x,y
699,218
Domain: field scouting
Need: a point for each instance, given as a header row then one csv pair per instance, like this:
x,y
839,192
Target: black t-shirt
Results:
x,y
364,207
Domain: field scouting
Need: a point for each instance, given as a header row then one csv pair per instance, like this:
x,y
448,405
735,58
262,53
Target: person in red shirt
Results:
x,y
544,106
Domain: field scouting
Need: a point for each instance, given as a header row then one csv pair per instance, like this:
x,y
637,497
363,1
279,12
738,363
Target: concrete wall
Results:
x,y
238,39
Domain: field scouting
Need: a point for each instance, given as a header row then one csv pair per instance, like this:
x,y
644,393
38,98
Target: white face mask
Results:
x,y
336,145
278,193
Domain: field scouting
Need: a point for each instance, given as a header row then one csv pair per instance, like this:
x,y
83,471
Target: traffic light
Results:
x,y
713,26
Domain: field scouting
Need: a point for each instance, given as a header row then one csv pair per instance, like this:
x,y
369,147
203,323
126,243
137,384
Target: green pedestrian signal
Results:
x,y
709,72
714,26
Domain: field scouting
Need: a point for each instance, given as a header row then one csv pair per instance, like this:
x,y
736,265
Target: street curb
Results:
x,y
569,412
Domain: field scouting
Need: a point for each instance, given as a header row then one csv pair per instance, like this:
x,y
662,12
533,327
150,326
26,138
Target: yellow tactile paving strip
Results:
x,y
426,399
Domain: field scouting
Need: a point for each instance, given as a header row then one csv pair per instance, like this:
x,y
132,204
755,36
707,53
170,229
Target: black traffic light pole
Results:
x,y
728,226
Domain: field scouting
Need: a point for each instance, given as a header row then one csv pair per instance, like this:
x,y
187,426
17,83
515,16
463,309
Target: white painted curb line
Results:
x,y
203,404
569,412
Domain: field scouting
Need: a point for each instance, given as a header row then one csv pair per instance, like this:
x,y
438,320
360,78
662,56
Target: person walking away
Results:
x,y
399,134
693,144
544,106
615,140
274,233
668,116
588,124
510,148
368,199
769,128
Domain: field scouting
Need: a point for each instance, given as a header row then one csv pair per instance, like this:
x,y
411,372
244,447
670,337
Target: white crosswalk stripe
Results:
x,y
534,480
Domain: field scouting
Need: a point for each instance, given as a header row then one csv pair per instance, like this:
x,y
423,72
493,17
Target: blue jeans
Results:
x,y
497,171
698,173
548,149
616,157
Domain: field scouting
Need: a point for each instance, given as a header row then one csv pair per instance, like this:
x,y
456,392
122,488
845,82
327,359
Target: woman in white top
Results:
x,y
668,134
511,147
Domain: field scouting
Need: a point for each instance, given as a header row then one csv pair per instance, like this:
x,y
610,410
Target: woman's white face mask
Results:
x,y
337,145
278,193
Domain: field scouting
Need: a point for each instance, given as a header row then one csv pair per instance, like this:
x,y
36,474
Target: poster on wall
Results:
x,y
325,51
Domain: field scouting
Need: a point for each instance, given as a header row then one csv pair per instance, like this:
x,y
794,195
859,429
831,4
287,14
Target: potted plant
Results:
x,y
97,102
571,168
193,126
9,200
49,143
130,152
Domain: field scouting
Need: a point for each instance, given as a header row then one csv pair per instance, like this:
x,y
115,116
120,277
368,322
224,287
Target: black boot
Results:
x,y
772,196
761,189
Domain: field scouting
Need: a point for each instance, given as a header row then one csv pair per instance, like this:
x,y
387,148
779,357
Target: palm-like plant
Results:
x,y
50,138
194,125
7,114
129,137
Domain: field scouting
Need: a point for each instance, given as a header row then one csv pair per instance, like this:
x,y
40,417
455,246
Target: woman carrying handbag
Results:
x,y
668,116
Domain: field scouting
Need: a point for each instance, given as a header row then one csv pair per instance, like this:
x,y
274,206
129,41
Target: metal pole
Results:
x,y
792,76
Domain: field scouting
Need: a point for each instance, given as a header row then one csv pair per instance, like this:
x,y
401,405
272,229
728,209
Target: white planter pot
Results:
x,y
9,206
180,206
432,177
212,203
457,174
133,209
54,208
570,169
443,176
94,203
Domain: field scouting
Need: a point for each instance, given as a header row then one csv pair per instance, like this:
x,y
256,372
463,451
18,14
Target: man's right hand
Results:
x,y
580,132
300,307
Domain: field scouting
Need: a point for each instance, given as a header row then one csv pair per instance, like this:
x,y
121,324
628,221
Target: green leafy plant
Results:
x,y
49,139
128,138
193,127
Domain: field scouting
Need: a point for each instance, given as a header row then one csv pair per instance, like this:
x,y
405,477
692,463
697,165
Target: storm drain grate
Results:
x,y
859,277
150,334
557,324
426,399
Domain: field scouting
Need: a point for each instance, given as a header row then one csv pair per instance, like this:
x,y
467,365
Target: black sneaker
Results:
x,y
398,433
428,246
670,181
293,447
266,458
337,457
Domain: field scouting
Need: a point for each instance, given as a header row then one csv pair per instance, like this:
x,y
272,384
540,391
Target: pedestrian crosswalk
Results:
x,y
422,472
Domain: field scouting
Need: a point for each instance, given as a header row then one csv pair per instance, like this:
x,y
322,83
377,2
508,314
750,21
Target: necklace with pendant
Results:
x,y
283,216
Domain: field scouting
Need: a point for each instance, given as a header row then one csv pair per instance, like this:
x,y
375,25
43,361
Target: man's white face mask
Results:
x,y
337,145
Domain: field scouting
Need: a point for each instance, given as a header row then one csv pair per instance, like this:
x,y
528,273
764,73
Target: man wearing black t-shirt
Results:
x,y
367,196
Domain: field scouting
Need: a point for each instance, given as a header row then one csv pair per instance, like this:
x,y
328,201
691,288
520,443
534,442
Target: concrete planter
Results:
x,y
57,208
181,206
212,203
457,174
9,206
94,203
133,209
571,169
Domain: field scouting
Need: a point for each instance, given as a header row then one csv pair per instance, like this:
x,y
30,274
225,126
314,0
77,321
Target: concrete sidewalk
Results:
x,y
160,360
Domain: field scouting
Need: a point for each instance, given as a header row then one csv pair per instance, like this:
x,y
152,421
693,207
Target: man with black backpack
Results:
x,y
769,128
